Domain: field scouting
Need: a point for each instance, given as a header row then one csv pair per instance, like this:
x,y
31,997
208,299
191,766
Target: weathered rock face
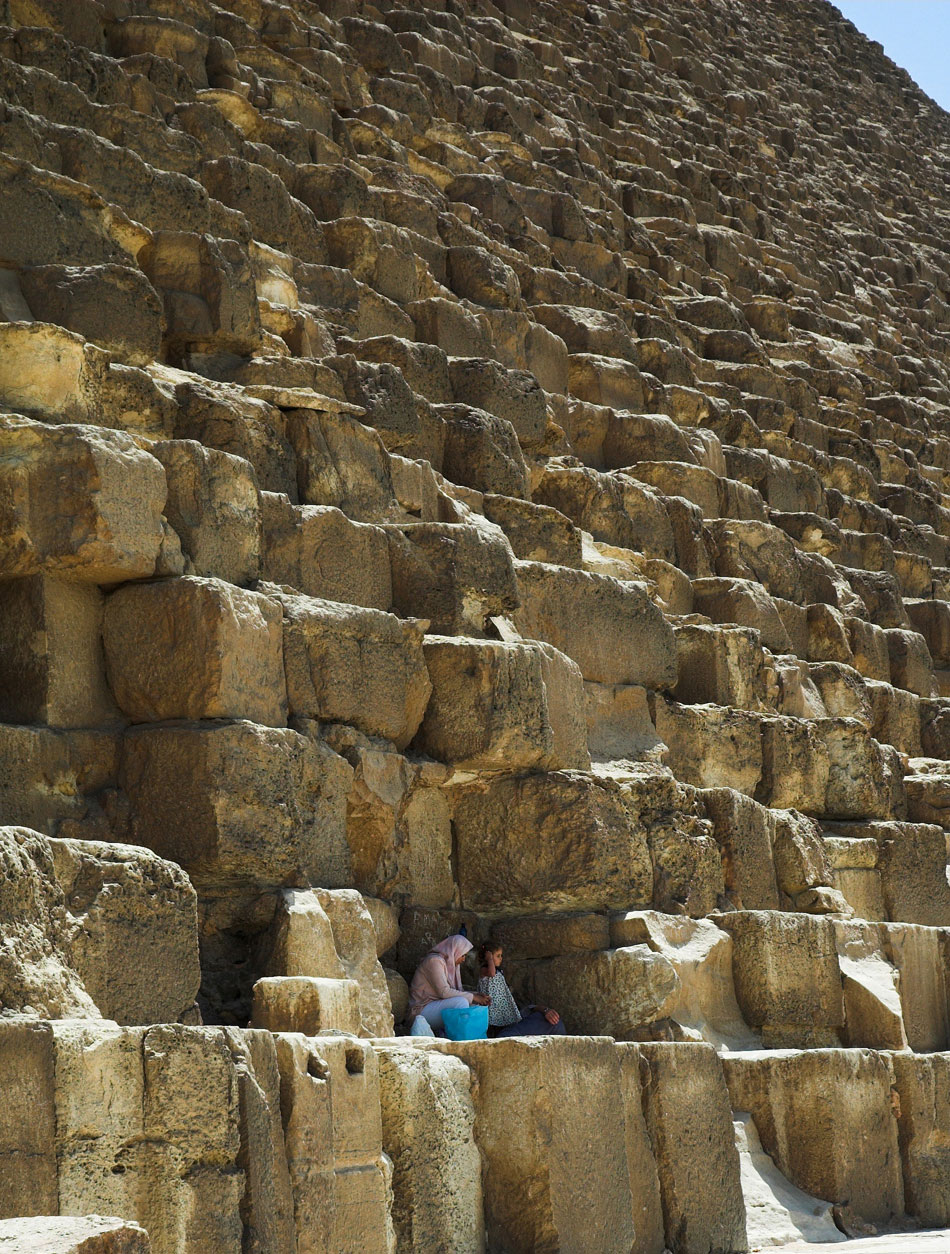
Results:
x,y
472,465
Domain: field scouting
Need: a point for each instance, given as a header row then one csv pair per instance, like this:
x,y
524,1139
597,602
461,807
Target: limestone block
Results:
x,y
869,649
300,941
207,287
919,955
911,664
561,840
550,935
856,873
617,510
375,253
605,381
895,717
606,992
130,930
354,937
546,357
195,648
611,628
385,918
482,277
214,506
51,776
748,549
923,1092
503,706
513,395
424,367
703,1001
786,975
870,984
859,771
743,831
536,533
826,1118
340,462
723,666
644,1179
456,575
619,725
113,306
745,602
564,1181
40,201
932,620
798,854
777,1213
428,1132
355,665
330,1109
307,1004
52,668
482,451
710,746
78,502
321,552
914,873
451,326
843,691
696,1158
398,827
93,1234
236,801
398,994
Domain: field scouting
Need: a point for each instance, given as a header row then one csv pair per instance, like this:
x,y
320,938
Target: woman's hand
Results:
x,y
552,1017
481,1000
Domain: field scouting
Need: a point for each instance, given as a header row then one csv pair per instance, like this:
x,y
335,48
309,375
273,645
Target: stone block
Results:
x,y
786,975
606,992
826,1118
503,706
512,395
696,1158
52,668
536,533
619,725
477,275
234,802
340,462
194,648
860,773
354,936
322,553
743,830
611,628
932,620
82,503
919,955
795,765
428,1132
911,664
214,506
551,935
306,1004
711,746
207,288
923,1090
605,381
870,984
618,510
350,664
745,602
113,306
564,1181
300,940
457,575
702,1003
482,451
757,551
51,776
913,863
561,840
722,666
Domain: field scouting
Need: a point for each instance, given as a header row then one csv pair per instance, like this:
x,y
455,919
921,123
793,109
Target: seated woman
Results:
x,y
437,983
504,1017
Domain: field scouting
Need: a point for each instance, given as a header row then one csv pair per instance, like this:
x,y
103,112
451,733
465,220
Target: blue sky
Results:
x,y
915,34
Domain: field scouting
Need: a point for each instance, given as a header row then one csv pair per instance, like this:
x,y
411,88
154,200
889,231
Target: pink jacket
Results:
x,y
437,976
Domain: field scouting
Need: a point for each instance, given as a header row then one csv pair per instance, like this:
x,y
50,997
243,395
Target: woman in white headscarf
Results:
x,y
437,983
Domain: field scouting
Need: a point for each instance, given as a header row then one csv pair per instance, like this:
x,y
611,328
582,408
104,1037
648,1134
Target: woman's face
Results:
x,y
459,960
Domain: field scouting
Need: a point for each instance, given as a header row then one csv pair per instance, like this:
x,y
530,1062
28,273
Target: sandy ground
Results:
x,y
903,1243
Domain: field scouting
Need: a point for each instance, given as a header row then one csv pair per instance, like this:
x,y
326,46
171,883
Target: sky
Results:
x,y
915,34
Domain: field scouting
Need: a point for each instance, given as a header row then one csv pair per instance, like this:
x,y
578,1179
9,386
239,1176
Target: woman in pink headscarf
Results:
x,y
437,983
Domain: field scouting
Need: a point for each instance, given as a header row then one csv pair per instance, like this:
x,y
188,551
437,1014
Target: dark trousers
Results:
x,y
533,1024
